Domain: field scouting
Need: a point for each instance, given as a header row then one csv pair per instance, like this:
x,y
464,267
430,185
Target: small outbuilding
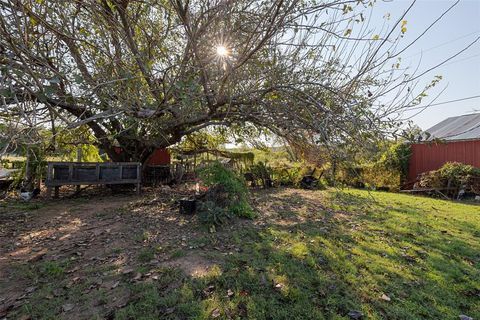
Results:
x,y
455,139
160,157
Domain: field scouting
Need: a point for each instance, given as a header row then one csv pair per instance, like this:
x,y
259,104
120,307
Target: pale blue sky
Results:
x,y
456,30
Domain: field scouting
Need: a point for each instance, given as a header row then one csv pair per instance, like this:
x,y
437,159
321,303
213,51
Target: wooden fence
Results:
x,y
88,173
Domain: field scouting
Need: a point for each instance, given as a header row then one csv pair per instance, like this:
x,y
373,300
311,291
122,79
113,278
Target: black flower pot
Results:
x,y
188,206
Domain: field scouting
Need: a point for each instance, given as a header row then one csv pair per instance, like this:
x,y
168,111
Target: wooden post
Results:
x,y
49,179
139,170
97,172
70,172
79,159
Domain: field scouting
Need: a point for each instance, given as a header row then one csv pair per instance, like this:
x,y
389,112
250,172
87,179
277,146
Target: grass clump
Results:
x,y
146,255
142,237
52,269
164,299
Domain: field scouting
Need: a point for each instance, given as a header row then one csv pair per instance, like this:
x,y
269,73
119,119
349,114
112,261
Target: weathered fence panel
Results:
x,y
88,173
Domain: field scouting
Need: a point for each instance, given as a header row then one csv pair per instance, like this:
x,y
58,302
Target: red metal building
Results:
x,y
159,157
454,139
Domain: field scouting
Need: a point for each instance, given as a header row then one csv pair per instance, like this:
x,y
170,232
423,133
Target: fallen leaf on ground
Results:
x,y
127,270
354,314
385,297
30,289
215,313
67,307
170,310
209,290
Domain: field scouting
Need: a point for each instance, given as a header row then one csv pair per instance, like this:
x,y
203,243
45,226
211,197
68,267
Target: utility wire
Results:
x,y
460,60
443,44
445,102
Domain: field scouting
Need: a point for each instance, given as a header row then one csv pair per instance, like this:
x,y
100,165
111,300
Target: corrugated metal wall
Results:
x,y
427,157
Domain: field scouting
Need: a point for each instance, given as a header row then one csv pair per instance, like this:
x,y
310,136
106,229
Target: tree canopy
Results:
x,y
144,74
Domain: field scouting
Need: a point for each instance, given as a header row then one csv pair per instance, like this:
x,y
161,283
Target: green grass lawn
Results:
x,y
325,254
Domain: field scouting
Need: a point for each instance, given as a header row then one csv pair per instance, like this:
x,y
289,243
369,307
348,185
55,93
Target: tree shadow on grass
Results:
x,y
319,267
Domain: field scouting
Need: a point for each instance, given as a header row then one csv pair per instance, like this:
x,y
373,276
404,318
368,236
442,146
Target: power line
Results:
x,y
445,102
443,44
466,58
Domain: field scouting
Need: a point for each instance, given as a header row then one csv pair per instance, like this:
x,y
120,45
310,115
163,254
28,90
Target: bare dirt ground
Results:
x,y
96,242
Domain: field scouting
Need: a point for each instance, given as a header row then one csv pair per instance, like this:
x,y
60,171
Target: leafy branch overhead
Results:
x,y
145,74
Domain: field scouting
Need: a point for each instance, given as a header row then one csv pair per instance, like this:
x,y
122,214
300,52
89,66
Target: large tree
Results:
x,y
143,74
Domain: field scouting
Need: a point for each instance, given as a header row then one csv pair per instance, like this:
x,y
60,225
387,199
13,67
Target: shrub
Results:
x,y
451,174
458,173
396,158
377,176
292,175
388,171
227,190
353,176
286,175
262,172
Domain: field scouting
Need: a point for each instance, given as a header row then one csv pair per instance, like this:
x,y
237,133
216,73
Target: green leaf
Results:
x,y
33,21
50,90
404,26
347,32
111,5
83,31
347,8
7,93
78,78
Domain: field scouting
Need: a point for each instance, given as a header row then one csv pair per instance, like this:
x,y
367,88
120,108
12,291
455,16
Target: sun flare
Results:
x,y
222,51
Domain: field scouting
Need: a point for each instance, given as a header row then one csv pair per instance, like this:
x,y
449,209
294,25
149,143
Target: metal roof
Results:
x,y
466,127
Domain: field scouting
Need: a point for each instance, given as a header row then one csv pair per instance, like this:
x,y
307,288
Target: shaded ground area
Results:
x,y
77,258
308,255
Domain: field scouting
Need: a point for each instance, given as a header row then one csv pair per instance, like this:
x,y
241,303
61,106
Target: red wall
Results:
x,y
427,157
159,157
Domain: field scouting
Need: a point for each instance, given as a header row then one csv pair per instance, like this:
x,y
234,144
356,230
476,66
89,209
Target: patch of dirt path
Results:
x,y
100,243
